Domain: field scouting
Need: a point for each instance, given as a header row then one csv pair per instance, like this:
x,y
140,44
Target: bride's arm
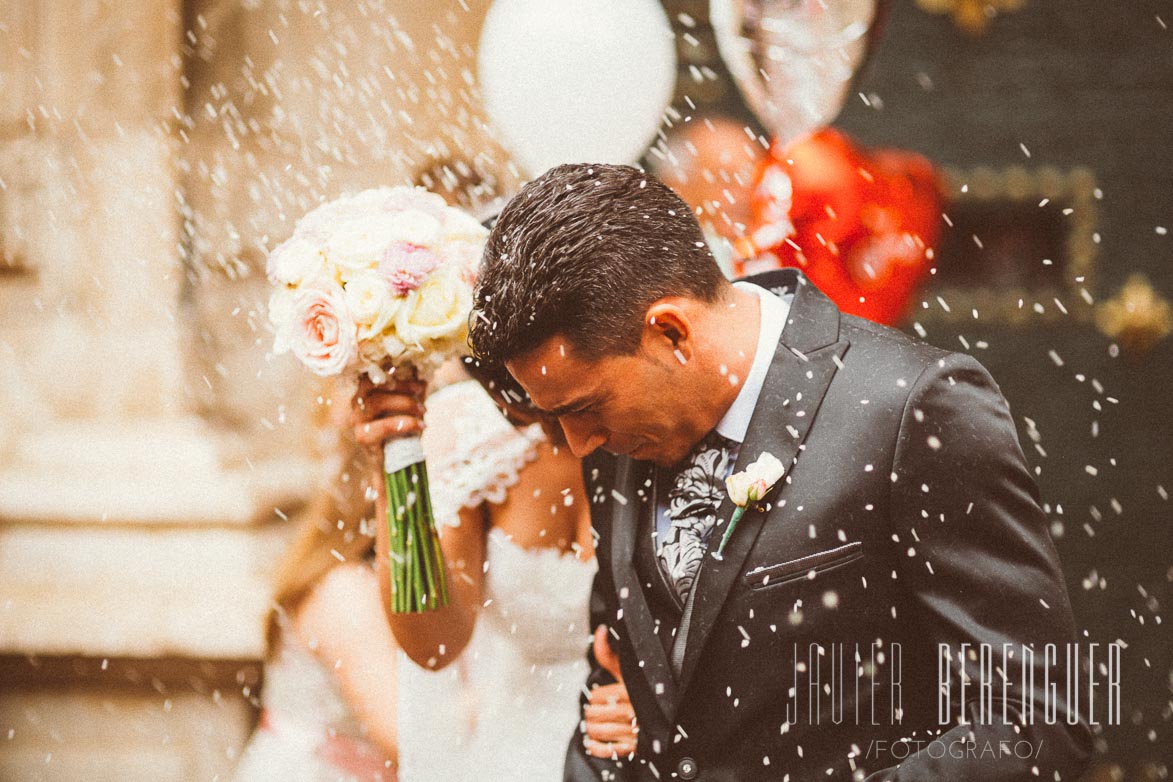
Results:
x,y
435,638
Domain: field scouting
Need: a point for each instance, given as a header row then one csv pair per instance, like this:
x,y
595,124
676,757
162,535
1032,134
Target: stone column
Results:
x,y
129,526
151,151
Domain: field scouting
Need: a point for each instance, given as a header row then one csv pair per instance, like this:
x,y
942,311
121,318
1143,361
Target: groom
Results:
x,y
864,599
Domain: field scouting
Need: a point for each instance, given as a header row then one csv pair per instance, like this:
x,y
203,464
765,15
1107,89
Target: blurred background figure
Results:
x,y
991,175
861,224
330,694
712,162
462,184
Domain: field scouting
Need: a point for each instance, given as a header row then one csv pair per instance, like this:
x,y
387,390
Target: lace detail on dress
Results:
x,y
474,455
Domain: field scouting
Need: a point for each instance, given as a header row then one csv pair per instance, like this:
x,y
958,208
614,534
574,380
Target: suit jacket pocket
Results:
x,y
802,568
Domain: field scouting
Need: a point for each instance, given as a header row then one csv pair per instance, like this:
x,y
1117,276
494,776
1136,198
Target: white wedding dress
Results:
x,y
506,709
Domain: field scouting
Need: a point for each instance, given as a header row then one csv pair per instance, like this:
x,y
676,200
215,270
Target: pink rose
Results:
x,y
322,335
406,266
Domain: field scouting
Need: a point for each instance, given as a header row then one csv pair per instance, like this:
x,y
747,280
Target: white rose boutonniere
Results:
x,y
748,487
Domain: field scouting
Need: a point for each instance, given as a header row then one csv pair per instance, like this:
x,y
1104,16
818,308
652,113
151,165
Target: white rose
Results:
x,y
322,220
738,485
415,227
437,310
370,302
755,481
767,469
294,261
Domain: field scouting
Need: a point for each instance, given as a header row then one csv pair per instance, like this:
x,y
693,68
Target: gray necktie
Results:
x,y
696,495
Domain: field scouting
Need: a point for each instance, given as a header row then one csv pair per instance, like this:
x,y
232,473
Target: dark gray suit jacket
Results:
x,y
907,519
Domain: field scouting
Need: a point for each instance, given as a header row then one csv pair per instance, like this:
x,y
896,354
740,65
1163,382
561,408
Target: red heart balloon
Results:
x,y
861,224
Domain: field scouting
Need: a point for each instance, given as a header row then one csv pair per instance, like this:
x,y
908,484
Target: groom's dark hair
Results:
x,y
583,251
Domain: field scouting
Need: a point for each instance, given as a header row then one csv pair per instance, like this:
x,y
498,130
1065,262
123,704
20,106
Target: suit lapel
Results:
x,y
804,364
637,616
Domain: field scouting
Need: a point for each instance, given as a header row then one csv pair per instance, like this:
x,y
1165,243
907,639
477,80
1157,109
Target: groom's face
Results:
x,y
623,404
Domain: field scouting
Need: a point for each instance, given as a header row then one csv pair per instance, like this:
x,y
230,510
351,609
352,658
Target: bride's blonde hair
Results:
x,y
335,526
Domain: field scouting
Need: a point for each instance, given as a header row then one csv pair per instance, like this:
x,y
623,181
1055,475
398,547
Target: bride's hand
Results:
x,y
611,727
392,410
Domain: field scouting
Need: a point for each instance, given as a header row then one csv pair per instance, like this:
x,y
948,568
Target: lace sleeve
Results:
x,y
473,453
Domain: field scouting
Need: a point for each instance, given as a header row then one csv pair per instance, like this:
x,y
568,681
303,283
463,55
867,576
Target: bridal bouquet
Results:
x,y
378,283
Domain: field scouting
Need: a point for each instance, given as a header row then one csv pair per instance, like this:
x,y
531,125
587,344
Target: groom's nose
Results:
x,y
582,437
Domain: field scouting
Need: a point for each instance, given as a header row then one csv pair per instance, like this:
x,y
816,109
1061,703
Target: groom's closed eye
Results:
x,y
574,408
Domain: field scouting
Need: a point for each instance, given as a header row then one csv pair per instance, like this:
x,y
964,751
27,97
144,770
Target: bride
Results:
x,y
493,691
487,688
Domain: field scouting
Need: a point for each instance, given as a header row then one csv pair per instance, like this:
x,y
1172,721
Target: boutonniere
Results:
x,y
748,487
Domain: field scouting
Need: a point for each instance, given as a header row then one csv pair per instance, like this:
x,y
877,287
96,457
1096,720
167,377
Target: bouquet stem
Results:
x,y
738,512
418,576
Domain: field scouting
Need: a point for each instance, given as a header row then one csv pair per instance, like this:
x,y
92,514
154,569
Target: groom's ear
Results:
x,y
668,331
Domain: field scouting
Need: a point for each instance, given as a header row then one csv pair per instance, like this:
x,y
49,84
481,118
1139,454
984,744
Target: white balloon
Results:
x,y
576,81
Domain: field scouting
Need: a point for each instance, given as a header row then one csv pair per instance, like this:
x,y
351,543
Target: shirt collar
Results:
x,y
774,311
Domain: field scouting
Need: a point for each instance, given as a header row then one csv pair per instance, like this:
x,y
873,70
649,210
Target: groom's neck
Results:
x,y
735,325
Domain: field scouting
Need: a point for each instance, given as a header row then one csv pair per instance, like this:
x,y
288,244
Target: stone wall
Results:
x,y
151,151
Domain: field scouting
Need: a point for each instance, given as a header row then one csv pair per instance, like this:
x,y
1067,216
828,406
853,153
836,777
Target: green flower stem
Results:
x,y
410,560
418,574
393,541
738,512
430,540
429,574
